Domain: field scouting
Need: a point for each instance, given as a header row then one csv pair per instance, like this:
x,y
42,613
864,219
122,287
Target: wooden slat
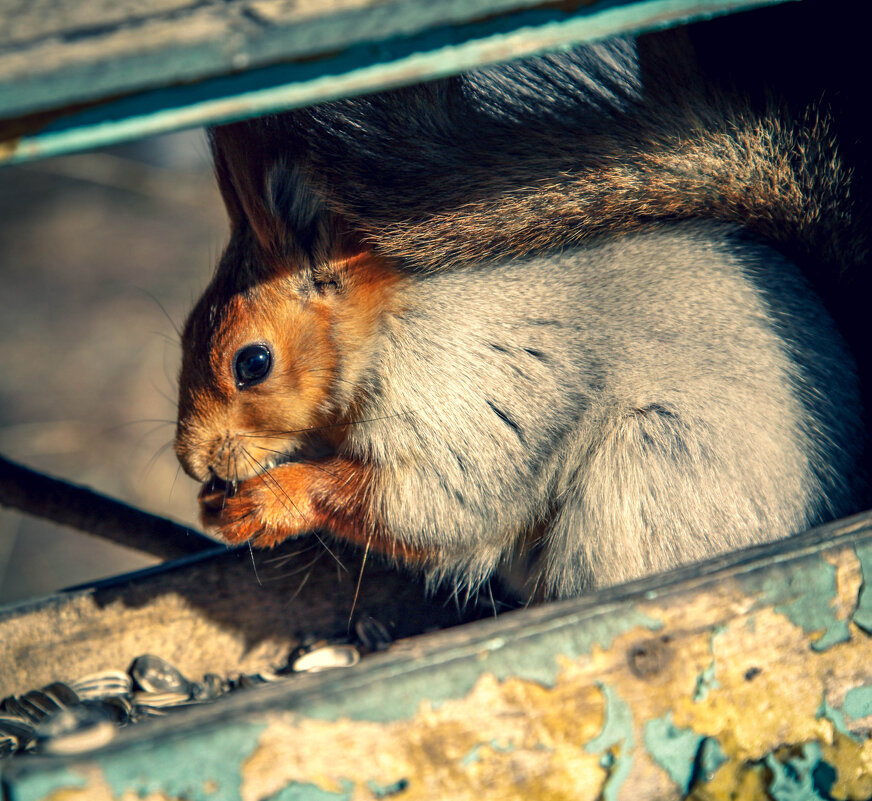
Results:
x,y
56,52
352,51
229,613
749,676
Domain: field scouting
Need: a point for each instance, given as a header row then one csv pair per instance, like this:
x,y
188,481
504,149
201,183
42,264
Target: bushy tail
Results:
x,y
782,180
553,151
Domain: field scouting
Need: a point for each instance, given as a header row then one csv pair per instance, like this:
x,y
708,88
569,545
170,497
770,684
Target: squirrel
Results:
x,y
553,318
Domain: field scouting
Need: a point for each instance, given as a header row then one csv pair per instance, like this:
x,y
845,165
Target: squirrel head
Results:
x,y
274,353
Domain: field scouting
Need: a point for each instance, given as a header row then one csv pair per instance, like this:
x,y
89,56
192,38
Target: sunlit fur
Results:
x,y
529,320
319,341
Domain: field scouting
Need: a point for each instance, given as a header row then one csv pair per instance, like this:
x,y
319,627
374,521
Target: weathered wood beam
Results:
x,y
231,612
304,58
749,676
98,515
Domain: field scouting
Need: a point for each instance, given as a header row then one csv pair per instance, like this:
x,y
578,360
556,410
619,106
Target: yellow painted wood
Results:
x,y
748,677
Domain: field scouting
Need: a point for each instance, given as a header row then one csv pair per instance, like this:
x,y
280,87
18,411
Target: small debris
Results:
x,y
74,718
323,656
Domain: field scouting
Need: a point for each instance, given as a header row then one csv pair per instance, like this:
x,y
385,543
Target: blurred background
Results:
x,y
102,255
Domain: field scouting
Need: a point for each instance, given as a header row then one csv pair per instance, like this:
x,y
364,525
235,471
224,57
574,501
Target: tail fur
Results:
x,y
550,152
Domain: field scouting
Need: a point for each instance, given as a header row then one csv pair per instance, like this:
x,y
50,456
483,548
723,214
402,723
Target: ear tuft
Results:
x,y
267,191
293,202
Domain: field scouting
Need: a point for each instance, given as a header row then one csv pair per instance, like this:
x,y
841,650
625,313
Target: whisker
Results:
x,y
175,479
163,309
276,434
254,565
263,475
303,582
490,593
359,580
325,470
339,564
299,570
286,557
128,423
310,463
166,336
163,393
153,461
226,487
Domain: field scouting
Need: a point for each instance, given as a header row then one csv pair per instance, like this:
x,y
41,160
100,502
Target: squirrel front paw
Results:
x,y
264,510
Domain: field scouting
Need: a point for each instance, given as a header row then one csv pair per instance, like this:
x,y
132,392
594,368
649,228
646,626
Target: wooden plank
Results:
x,y
80,507
227,613
747,677
361,65
57,52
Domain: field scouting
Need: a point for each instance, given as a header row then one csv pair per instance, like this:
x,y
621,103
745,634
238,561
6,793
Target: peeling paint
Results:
x,y
858,702
40,786
309,792
616,741
708,759
513,737
737,703
473,756
863,613
385,791
852,762
706,679
837,717
802,777
537,659
814,609
811,587
672,748
209,771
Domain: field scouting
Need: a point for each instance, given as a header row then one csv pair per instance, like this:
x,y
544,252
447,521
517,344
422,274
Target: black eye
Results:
x,y
252,365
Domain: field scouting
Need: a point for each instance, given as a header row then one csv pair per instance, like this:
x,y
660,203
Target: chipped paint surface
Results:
x,y
858,702
863,613
488,739
768,692
308,792
206,774
342,72
795,779
673,749
813,597
616,742
601,705
53,785
707,678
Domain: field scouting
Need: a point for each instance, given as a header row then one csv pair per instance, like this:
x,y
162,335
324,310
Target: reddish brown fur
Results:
x,y
319,339
333,494
784,180
685,155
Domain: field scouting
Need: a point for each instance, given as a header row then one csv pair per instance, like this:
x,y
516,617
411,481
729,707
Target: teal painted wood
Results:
x,y
202,754
357,70
182,40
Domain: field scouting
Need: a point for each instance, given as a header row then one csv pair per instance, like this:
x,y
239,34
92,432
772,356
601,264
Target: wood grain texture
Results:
x,y
228,613
228,61
747,677
60,52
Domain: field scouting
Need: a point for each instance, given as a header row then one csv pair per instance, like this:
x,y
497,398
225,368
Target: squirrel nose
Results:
x,y
188,461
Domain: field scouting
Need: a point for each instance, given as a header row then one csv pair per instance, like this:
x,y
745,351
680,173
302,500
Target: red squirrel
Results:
x,y
548,318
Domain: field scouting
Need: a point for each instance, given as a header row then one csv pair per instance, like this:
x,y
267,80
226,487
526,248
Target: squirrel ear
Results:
x,y
242,158
264,191
300,211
